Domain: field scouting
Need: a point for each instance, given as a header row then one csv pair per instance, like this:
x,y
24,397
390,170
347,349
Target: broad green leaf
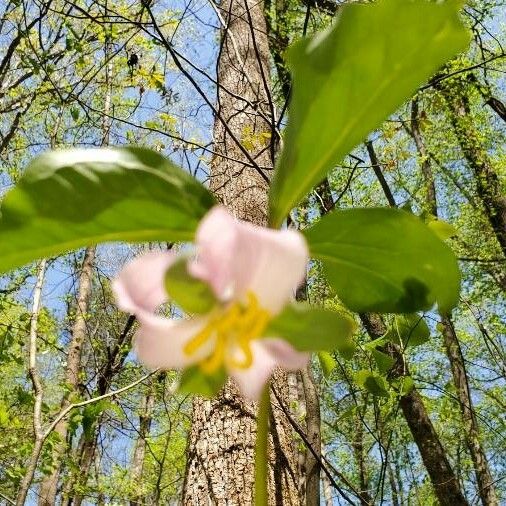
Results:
x,y
408,330
403,385
372,382
327,363
350,78
90,414
72,198
189,293
442,229
383,361
385,260
194,381
314,329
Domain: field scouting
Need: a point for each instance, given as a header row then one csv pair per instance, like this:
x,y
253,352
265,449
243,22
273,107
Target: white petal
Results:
x,y
215,240
141,283
267,355
159,342
238,255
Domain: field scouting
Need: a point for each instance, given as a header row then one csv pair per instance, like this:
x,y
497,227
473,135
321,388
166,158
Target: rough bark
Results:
x,y
453,350
220,466
49,485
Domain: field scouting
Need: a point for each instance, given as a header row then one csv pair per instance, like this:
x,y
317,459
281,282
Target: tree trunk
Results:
x,y
453,351
49,485
33,372
137,466
313,433
484,477
86,451
220,465
358,450
444,481
488,185
425,164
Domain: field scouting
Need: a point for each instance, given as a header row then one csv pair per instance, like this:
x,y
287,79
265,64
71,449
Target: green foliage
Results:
x,y
347,80
327,363
310,328
408,330
385,260
73,198
372,382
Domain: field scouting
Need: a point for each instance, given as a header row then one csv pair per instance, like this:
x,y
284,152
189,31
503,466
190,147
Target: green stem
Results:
x,y
261,457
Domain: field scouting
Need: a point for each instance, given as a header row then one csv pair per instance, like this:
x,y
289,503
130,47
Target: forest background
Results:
x,y
87,74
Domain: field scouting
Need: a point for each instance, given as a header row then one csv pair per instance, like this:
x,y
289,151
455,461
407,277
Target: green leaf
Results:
x,y
194,381
383,361
314,329
327,363
372,382
350,78
190,294
408,330
385,260
442,229
72,198
90,414
404,385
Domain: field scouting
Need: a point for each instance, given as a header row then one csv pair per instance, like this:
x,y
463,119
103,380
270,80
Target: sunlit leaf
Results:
x,y
314,329
385,260
72,198
350,78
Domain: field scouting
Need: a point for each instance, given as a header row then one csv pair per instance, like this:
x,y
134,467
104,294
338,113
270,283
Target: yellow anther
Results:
x,y
200,339
233,331
212,363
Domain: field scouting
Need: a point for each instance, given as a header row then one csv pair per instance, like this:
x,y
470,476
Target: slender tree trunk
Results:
x,y
49,485
488,185
358,449
137,466
220,465
425,162
484,477
313,433
444,481
33,372
87,446
86,450
453,350
393,485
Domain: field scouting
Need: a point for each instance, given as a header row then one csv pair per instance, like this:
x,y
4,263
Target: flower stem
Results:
x,y
261,457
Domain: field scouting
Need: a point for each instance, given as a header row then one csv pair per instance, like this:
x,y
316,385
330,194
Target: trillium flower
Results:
x,y
252,273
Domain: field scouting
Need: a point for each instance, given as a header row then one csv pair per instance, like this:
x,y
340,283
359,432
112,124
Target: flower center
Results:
x,y
232,330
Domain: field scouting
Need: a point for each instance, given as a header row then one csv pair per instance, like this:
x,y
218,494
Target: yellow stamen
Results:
x,y
233,330
212,363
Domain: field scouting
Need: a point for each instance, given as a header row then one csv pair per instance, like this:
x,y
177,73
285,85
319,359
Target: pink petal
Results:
x,y
267,355
215,239
285,354
238,256
159,342
140,285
